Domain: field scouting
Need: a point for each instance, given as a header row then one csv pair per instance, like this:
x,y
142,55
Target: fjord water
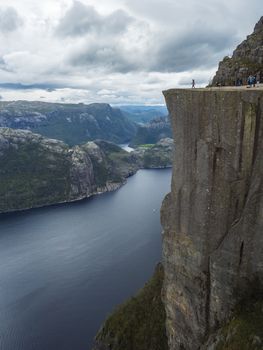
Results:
x,y
64,268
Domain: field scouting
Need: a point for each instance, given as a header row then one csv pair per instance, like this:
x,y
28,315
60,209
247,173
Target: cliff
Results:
x,y
72,123
37,171
212,219
247,59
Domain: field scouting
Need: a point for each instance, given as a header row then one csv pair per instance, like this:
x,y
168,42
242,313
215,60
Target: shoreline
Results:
x,y
115,186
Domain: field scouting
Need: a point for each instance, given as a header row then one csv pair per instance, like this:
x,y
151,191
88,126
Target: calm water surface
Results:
x,y
64,268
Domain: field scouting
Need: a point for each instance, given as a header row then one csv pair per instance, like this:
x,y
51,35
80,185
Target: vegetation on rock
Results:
x,y
152,132
36,171
157,155
139,323
244,331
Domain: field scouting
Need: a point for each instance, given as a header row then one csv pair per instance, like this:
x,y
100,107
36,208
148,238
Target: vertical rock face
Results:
x,y
213,217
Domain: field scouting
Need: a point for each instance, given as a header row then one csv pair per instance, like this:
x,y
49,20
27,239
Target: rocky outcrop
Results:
x,y
156,156
152,132
247,60
36,171
72,123
212,219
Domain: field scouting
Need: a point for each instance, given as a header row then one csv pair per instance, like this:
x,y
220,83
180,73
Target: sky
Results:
x,y
115,51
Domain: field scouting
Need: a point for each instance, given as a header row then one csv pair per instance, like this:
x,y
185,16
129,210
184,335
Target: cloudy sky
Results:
x,y
116,51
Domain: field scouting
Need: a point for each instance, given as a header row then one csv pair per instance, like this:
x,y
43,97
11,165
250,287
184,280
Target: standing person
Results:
x,y
254,80
258,79
250,81
193,83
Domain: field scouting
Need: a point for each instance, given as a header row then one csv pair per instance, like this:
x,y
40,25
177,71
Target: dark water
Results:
x,y
64,268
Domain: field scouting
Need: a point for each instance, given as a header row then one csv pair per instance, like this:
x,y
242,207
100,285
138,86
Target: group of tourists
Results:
x,y
252,81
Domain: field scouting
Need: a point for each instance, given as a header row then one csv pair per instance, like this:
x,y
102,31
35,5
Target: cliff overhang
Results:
x,y
212,219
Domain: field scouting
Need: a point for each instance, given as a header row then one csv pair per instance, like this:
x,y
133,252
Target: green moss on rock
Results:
x,y
245,330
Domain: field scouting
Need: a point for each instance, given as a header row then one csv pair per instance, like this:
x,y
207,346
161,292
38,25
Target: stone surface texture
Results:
x,y
247,59
213,217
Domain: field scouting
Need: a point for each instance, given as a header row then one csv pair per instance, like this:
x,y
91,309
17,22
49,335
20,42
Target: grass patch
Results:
x,y
245,330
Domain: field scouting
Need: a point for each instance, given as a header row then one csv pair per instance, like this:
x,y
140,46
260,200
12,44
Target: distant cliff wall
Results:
x,y
213,217
36,171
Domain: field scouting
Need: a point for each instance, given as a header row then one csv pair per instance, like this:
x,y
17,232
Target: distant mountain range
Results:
x,y
143,114
71,123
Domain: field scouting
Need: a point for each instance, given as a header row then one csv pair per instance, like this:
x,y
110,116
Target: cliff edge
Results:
x,y
213,217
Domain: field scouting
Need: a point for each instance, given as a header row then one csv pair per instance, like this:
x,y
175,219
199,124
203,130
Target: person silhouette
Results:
x,y
193,83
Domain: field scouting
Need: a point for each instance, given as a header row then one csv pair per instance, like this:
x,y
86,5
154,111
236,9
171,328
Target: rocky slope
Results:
x,y
247,59
155,156
36,171
212,219
138,324
152,132
71,123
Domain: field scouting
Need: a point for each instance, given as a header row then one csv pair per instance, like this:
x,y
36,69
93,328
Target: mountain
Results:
x,y
71,123
143,114
152,132
247,60
156,156
36,171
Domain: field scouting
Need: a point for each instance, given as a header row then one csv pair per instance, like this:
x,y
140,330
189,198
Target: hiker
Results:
x,y
193,83
254,81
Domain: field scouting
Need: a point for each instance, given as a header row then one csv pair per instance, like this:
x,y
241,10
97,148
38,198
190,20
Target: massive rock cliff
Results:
x,y
213,217
247,59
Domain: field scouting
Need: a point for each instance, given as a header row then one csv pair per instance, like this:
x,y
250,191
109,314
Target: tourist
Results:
x,y
250,81
258,79
193,83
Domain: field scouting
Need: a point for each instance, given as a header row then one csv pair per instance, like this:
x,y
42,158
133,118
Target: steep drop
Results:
x,y
212,219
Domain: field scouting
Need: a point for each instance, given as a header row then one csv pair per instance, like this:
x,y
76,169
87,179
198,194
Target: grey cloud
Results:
x,y
197,48
82,19
9,20
104,56
40,86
